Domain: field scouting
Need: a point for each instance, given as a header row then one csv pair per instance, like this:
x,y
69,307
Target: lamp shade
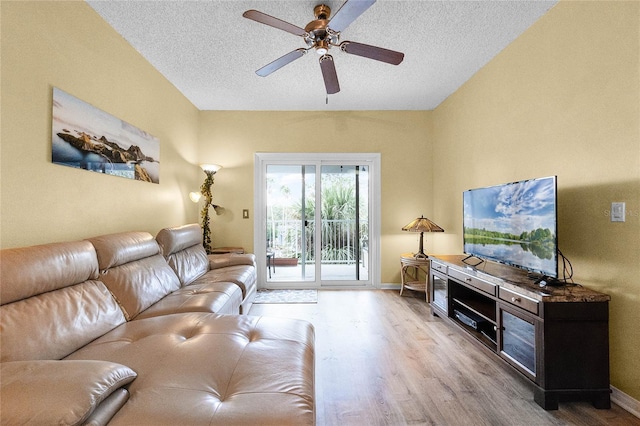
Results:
x,y
422,224
210,167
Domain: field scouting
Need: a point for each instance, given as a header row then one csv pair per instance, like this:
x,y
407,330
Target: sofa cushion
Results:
x,y
174,240
182,248
133,269
189,264
28,271
217,261
243,275
237,268
119,249
218,297
209,369
57,392
51,303
53,325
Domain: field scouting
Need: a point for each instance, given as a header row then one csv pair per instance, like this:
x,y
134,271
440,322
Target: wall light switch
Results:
x,y
245,213
618,212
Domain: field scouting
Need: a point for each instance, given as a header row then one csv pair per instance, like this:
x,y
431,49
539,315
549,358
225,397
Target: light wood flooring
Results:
x,y
383,359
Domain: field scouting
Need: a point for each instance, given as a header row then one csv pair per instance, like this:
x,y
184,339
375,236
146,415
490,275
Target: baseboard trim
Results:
x,y
625,401
389,286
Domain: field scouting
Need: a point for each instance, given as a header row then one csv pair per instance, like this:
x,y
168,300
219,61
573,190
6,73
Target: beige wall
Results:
x,y
563,99
231,139
67,45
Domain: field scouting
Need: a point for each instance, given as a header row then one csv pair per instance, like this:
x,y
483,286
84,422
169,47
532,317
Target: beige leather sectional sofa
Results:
x,y
128,329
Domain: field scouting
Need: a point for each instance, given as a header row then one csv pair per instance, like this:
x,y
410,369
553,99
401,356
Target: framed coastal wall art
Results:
x,y
88,138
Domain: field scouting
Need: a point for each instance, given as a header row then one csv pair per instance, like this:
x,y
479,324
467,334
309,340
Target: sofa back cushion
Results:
x,y
133,269
182,248
52,303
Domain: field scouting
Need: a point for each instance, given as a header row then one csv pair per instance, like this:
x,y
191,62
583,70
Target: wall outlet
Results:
x,y
618,212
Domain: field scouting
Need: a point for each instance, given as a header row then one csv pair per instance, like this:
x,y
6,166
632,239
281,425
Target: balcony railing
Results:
x,y
340,241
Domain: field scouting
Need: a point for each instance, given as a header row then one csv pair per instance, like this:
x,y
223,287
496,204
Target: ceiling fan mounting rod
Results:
x,y
322,11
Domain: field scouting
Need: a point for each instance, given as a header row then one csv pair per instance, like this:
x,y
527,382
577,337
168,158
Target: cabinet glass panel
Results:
x,y
519,341
439,287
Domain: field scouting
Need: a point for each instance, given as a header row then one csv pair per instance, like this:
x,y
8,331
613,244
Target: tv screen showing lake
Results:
x,y
513,224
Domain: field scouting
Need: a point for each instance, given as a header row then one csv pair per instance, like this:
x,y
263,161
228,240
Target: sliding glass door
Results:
x,y
313,219
289,222
344,227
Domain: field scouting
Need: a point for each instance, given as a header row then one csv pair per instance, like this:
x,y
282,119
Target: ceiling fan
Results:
x,y
322,34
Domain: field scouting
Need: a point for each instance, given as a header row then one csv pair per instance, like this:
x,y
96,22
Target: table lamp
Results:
x,y
422,225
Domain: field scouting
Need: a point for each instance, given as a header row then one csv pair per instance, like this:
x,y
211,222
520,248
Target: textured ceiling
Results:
x,y
210,52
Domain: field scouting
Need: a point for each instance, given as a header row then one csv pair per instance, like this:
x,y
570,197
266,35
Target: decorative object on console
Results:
x,y
210,170
422,225
85,137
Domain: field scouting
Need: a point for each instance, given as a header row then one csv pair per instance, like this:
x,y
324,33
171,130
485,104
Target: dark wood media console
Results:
x,y
558,337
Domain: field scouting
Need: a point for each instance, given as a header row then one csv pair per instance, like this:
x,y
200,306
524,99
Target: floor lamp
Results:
x,y
210,170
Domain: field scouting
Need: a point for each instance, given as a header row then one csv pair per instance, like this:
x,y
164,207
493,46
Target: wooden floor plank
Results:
x,y
383,359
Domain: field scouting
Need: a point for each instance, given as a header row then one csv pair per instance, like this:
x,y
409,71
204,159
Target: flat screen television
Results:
x,y
514,224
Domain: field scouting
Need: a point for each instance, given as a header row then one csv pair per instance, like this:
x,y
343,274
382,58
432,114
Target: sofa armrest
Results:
x,y
60,392
217,261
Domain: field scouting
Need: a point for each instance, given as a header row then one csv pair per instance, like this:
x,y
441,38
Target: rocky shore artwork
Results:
x,y
88,138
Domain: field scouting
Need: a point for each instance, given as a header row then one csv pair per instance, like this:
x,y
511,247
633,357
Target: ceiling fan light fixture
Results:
x,y
322,47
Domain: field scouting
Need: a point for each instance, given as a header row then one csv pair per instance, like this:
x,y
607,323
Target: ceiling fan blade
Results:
x,y
329,74
348,13
281,62
263,18
372,52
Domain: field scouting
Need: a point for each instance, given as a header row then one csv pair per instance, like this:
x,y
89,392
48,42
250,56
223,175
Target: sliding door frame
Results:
x,y
261,160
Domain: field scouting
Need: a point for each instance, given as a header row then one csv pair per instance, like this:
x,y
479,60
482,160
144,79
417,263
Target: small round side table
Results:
x,y
414,273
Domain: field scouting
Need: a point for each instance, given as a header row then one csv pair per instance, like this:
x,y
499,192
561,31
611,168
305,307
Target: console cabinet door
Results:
x,y
439,296
518,340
